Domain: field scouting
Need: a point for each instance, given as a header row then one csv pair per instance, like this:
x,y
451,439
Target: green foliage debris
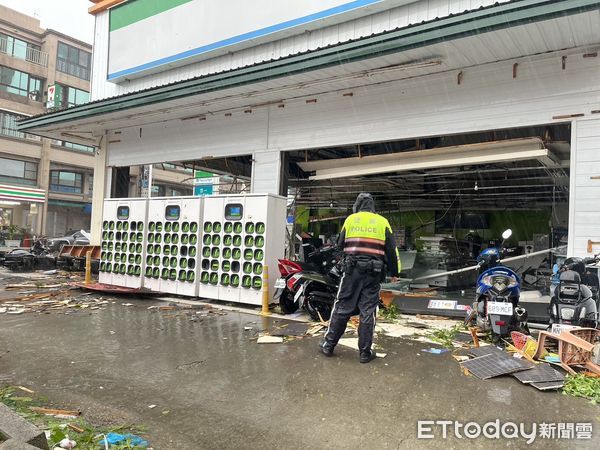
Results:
x,y
86,440
389,312
582,386
445,336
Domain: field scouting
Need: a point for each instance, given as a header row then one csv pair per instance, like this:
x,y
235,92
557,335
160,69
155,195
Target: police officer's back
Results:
x,y
370,251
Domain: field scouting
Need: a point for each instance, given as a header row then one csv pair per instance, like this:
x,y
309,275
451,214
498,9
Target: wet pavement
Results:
x,y
215,387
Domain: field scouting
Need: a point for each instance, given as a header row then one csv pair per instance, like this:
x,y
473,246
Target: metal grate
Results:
x,y
494,365
539,374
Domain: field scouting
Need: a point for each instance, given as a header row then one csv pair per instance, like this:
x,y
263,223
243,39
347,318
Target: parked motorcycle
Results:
x,y
496,307
37,257
312,285
575,298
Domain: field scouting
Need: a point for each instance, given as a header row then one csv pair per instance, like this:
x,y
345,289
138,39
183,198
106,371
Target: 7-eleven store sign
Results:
x,y
22,194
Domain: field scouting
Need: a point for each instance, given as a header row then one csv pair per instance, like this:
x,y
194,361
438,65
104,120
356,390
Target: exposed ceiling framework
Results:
x,y
495,177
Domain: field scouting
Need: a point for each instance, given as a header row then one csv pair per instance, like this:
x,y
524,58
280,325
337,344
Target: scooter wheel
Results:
x,y
287,303
496,338
318,310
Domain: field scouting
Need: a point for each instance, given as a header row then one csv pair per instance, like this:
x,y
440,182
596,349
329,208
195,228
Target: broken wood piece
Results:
x,y
24,389
473,331
60,413
75,428
590,374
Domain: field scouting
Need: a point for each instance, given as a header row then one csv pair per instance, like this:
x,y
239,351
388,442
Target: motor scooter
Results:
x,y
496,307
574,302
311,287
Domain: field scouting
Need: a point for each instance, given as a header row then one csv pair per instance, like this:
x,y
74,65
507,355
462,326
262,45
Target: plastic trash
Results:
x,y
116,438
435,351
67,443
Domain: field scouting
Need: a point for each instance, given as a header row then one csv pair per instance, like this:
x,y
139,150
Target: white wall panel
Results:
x,y
584,217
182,140
488,98
402,16
266,172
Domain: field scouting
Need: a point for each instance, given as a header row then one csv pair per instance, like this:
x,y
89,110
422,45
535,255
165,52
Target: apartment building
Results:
x,y
46,184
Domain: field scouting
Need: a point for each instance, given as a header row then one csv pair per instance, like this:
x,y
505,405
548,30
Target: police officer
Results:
x,y
370,250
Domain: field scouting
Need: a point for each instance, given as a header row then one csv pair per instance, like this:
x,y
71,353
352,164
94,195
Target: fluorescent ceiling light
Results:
x,y
460,155
9,203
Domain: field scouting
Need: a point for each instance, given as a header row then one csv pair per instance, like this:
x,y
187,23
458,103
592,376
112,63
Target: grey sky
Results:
x,y
67,16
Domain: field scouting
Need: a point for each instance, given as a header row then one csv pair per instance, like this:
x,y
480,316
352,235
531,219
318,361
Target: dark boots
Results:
x,y
366,357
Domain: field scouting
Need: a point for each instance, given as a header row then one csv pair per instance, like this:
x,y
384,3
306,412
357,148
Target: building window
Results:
x,y
20,83
70,96
159,190
8,126
21,49
73,61
66,181
77,147
16,171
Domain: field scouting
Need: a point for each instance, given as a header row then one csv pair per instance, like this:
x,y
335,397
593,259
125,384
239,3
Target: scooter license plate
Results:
x,y
558,328
500,308
280,283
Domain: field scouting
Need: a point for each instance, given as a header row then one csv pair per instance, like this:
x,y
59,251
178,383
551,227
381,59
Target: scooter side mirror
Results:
x,y
507,234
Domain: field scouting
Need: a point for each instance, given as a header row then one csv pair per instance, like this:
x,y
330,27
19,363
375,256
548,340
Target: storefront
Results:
x,y
20,209
422,105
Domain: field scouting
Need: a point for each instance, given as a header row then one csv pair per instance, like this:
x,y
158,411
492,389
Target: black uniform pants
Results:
x,y
358,289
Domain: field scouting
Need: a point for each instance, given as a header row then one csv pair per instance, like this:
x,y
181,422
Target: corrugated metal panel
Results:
x,y
100,88
413,13
584,218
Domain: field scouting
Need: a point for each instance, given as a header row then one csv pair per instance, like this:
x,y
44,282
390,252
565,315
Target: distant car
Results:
x,y
71,237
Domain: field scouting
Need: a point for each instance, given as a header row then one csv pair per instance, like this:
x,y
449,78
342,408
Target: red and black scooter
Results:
x,y
311,285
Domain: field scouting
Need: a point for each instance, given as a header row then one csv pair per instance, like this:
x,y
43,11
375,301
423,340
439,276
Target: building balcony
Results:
x,y
24,52
8,128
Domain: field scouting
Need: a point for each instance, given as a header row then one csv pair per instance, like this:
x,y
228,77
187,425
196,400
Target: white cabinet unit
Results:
x,y
123,242
173,240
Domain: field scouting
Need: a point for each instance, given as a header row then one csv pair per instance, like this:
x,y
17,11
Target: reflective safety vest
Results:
x,y
365,234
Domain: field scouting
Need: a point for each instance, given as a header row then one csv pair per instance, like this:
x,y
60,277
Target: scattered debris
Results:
x,y
130,440
494,365
151,406
58,413
291,329
266,339
24,389
67,443
445,337
353,344
582,386
539,374
435,351
75,428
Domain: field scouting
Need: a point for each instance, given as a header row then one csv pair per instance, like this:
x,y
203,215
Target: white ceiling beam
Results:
x,y
456,158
